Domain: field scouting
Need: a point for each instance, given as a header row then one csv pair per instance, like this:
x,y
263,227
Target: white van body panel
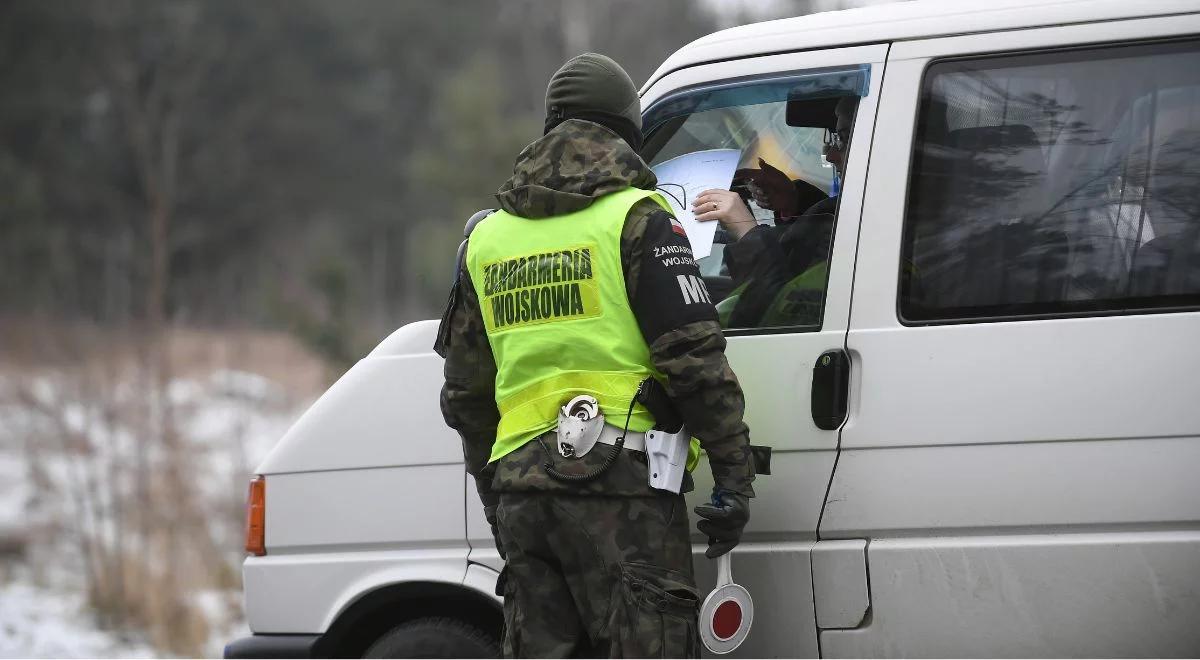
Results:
x,y
902,21
482,579
840,588
363,509
1078,595
1000,488
365,490
304,593
383,411
1027,486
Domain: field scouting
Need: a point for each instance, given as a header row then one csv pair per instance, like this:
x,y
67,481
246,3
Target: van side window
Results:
x,y
792,133
1055,183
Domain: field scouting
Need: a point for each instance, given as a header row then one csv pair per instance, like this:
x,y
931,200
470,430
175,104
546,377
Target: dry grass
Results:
x,y
31,345
144,596
149,539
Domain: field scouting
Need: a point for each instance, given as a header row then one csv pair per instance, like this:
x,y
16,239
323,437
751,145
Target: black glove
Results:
x,y
724,519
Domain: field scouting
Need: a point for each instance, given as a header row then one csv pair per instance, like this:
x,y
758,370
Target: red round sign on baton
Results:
x,y
727,619
727,613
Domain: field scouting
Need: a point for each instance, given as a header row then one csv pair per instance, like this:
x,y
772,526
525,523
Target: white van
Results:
x,y
1001,454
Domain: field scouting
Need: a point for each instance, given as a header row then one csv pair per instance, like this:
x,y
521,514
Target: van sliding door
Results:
x,y
1024,426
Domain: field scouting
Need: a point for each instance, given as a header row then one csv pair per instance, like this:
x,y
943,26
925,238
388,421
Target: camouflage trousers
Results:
x,y
597,576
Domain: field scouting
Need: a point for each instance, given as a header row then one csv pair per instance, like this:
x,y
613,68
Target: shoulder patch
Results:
x,y
670,291
677,227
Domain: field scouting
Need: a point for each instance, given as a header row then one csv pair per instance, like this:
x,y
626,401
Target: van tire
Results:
x,y
435,637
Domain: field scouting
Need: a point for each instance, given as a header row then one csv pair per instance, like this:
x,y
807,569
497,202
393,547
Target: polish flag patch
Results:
x,y
677,227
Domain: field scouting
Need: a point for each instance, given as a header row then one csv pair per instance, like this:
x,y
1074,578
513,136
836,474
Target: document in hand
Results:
x,y
683,178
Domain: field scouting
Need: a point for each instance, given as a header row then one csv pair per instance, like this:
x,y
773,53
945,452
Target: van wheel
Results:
x,y
435,637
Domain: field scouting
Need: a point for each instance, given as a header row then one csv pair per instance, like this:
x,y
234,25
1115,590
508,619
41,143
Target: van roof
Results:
x,y
905,20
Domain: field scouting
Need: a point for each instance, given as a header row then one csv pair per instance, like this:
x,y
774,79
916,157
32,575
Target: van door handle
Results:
x,y
830,389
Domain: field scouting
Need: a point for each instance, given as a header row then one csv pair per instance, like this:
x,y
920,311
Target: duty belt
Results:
x,y
576,439
581,427
633,440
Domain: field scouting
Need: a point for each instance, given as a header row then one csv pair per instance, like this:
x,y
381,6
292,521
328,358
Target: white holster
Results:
x,y
666,456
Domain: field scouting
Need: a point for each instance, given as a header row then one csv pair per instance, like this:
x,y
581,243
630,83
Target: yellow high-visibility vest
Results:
x,y
552,294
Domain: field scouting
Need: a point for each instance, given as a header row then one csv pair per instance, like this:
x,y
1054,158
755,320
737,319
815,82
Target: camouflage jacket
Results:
x,y
562,172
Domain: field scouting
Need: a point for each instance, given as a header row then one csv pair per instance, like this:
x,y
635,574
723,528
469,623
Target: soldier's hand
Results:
x,y
724,519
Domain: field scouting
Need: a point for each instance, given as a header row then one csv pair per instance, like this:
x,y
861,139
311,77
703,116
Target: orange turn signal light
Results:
x,y
256,517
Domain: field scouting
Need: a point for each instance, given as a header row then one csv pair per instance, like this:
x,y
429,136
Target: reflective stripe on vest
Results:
x,y
552,295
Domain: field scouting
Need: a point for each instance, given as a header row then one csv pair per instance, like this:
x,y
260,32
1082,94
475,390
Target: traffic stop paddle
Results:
x,y
727,613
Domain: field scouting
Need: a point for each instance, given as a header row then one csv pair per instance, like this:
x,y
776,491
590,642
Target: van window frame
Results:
x,y
907,225
722,84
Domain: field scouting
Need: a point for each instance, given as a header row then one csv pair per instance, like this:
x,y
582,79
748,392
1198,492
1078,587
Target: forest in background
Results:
x,y
304,166
208,211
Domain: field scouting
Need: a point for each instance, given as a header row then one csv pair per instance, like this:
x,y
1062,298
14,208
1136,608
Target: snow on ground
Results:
x,y
215,605
40,623
232,417
14,490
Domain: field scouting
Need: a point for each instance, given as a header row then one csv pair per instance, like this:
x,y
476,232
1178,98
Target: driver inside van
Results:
x,y
779,272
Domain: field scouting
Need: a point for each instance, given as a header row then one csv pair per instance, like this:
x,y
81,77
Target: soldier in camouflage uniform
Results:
x,y
601,568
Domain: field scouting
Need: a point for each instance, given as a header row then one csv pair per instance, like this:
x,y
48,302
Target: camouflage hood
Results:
x,y
575,163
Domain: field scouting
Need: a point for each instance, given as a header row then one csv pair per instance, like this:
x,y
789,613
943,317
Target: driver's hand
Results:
x,y
726,207
771,188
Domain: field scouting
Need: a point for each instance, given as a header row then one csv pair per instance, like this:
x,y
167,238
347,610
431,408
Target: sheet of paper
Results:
x,y
683,178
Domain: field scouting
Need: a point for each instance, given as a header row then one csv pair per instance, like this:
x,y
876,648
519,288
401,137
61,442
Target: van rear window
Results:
x,y
1060,183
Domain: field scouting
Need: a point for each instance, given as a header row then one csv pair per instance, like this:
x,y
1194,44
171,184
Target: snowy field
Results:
x,y
229,419
44,623
41,622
